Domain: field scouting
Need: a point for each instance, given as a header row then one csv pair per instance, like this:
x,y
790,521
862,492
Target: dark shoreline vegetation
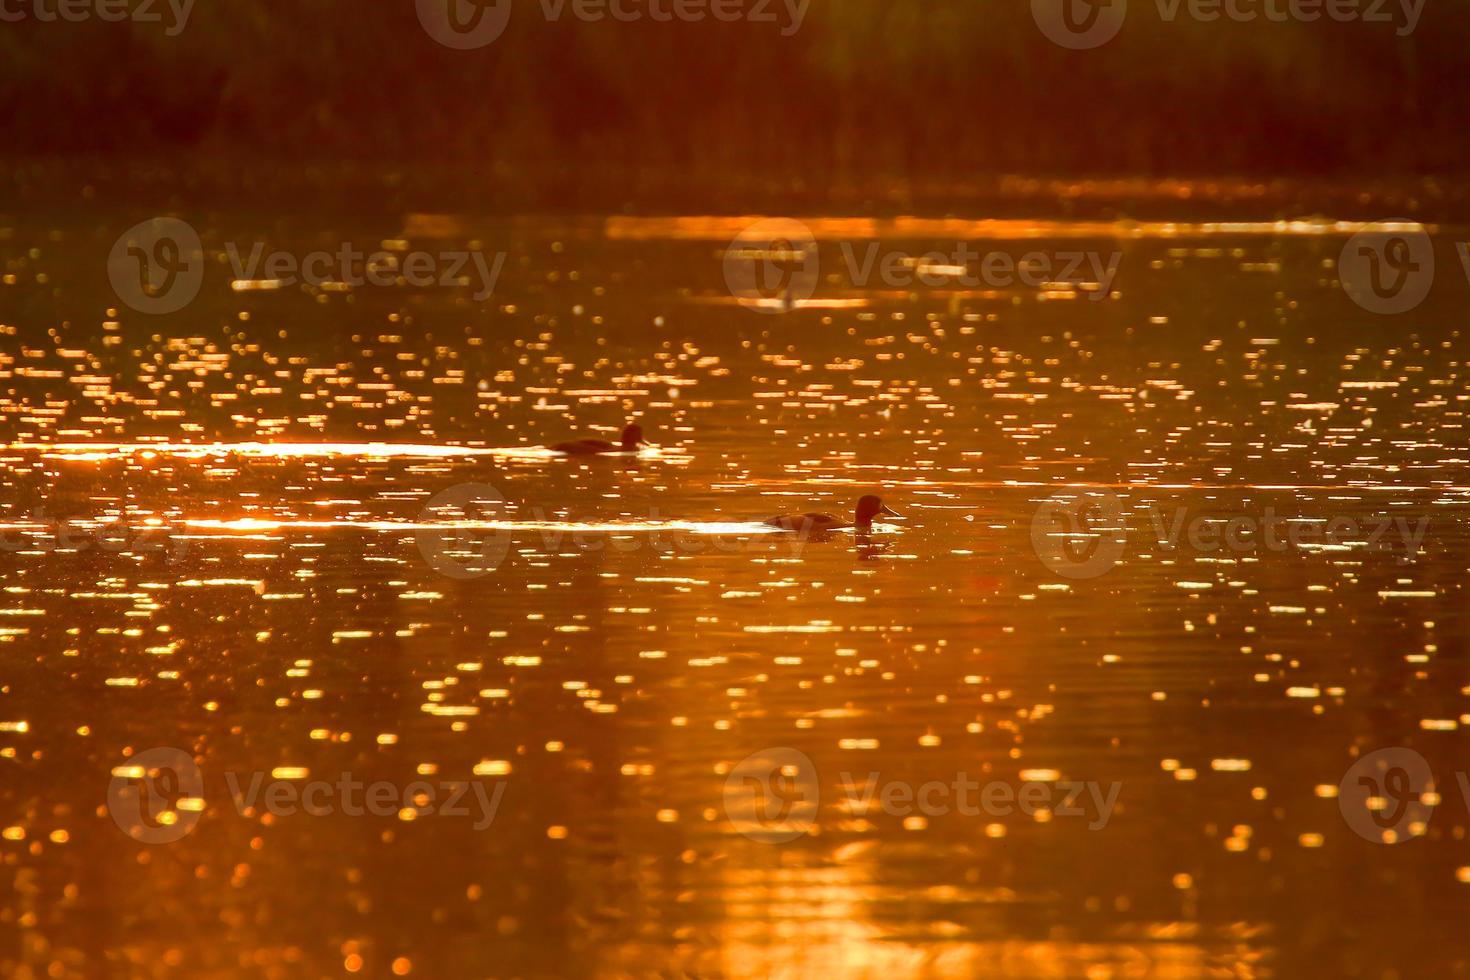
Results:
x,y
869,103
194,182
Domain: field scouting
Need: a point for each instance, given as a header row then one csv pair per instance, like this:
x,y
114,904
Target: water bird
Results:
x,y
868,507
632,439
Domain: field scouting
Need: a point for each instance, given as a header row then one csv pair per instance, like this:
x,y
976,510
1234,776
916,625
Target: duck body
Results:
x,y
868,507
808,523
632,440
588,447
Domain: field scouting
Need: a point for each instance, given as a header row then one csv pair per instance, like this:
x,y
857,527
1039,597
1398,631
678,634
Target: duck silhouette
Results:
x,y
868,507
632,439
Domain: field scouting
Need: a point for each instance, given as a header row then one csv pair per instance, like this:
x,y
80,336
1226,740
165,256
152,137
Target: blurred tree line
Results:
x,y
939,90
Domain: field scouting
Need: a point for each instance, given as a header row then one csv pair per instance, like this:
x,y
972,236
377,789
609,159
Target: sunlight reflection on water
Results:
x,y
611,676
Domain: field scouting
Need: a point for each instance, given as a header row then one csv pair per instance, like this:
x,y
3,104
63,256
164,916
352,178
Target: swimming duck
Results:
x,y
868,507
632,439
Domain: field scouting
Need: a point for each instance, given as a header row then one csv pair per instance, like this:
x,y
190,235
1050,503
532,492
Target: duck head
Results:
x,y
633,437
869,507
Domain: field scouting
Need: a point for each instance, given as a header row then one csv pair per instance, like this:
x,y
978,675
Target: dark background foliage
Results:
x,y
867,91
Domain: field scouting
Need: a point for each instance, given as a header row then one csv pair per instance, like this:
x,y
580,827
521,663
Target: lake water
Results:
x,y
1178,552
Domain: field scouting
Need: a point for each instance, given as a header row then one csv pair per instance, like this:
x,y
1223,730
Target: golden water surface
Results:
x,y
222,535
